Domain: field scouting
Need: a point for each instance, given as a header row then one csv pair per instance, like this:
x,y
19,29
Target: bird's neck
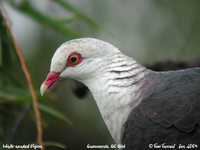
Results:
x,y
116,88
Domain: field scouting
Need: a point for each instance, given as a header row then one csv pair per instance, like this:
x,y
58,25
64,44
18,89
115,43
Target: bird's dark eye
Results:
x,y
74,59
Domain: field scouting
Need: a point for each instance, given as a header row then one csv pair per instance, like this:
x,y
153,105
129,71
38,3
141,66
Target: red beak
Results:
x,y
51,78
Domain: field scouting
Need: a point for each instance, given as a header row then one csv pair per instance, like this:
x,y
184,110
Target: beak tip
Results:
x,y
43,89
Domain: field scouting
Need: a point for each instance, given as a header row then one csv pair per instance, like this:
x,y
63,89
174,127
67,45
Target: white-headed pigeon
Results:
x,y
142,109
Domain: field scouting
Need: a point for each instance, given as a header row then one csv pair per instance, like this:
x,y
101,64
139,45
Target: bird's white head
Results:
x,y
114,79
77,59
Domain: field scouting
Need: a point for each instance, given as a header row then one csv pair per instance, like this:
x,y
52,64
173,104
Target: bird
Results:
x,y
142,109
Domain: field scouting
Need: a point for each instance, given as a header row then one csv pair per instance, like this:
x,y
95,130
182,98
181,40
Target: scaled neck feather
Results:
x,y
116,87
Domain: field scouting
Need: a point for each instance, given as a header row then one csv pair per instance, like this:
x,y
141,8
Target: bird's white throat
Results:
x,y
116,87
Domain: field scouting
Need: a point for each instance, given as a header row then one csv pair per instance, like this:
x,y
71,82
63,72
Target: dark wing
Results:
x,y
170,115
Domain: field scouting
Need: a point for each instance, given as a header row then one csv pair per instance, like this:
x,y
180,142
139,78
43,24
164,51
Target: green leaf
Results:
x,y
20,95
54,113
66,20
55,144
6,46
76,11
13,94
40,17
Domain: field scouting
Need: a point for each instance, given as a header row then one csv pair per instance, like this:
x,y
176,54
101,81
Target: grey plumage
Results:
x,y
170,114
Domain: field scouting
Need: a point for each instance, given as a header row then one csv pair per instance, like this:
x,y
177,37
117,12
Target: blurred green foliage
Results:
x,y
14,94
26,8
58,24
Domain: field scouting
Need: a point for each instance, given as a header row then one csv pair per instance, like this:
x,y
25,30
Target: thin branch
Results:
x,y
28,78
18,122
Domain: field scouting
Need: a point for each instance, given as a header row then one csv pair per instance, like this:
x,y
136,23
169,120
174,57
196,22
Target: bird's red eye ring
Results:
x,y
74,59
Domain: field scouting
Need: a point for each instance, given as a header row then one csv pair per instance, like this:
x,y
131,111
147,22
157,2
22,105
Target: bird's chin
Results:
x,y
50,80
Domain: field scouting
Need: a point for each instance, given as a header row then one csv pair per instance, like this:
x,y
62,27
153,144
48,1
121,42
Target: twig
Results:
x,y
28,78
18,122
